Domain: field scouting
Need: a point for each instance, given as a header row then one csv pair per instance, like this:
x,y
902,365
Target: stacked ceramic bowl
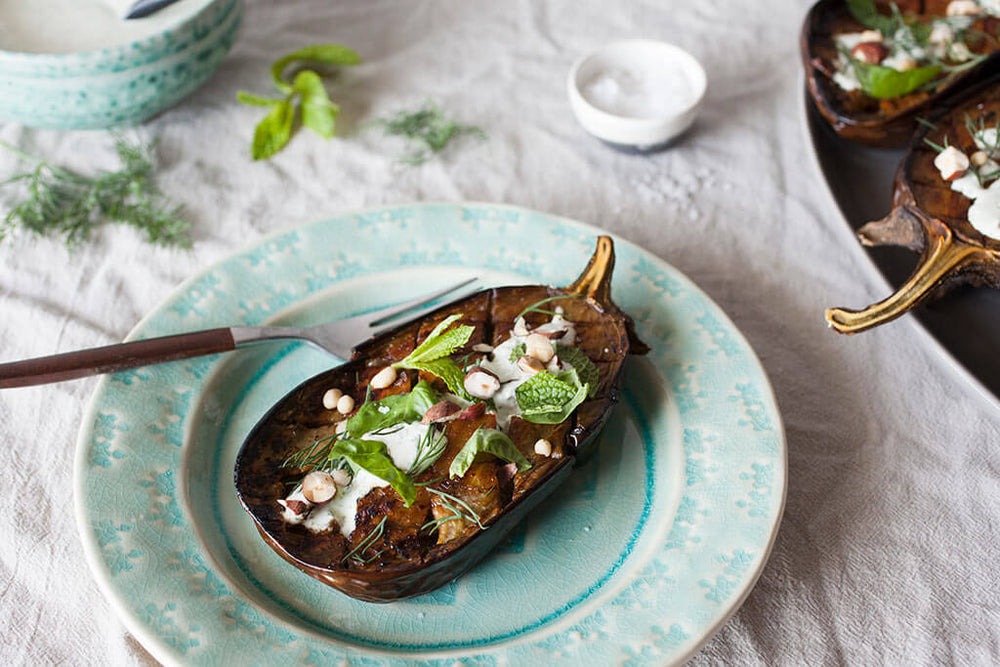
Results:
x,y
120,84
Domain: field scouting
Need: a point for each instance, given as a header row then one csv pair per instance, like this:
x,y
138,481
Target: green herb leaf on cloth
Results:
x,y
304,94
428,130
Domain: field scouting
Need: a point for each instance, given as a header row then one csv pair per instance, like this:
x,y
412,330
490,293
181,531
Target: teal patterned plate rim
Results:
x,y
638,559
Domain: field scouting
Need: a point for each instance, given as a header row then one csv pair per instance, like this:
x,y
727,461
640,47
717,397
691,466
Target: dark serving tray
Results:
x,y
966,322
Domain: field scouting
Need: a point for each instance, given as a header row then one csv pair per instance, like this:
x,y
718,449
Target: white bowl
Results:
x,y
637,94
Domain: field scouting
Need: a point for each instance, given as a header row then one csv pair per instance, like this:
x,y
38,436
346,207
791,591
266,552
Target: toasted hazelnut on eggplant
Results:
x,y
331,397
318,487
963,8
872,53
440,411
539,347
383,378
480,383
474,411
530,365
952,163
345,405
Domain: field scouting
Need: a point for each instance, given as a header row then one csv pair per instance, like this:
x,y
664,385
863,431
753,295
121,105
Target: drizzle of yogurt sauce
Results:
x,y
65,26
511,376
984,213
901,58
401,443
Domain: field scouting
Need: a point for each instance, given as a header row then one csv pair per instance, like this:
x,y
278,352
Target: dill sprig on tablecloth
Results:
x,y
62,202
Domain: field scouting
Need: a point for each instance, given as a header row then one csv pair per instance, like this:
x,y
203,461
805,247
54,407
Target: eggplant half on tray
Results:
x,y
396,472
873,68
945,205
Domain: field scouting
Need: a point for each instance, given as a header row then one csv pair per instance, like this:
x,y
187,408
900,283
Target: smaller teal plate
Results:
x,y
638,559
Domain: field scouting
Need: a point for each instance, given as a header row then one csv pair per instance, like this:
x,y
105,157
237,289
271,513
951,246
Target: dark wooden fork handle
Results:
x,y
112,358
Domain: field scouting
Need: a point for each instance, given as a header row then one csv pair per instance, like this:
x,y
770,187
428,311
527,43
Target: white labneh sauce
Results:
x,y
401,443
66,26
511,377
643,90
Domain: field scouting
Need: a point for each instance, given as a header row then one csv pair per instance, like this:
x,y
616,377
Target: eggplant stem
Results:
x,y
595,281
942,256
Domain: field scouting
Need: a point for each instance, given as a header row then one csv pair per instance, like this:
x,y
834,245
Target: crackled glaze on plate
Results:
x,y
638,559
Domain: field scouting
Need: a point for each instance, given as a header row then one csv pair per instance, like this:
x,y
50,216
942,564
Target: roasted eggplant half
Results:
x,y
945,205
874,68
396,472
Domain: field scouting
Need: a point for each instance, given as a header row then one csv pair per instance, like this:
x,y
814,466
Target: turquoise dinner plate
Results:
x,y
638,559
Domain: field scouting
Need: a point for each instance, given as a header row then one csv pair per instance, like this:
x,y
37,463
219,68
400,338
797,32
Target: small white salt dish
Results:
x,y
637,94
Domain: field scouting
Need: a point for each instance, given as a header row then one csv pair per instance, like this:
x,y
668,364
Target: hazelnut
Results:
x,y
543,447
952,163
963,8
296,507
529,365
480,383
539,347
520,327
345,404
872,53
341,477
383,378
331,397
319,487
474,411
440,411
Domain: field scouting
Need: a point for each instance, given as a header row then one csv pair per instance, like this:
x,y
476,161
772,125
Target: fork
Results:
x,y
339,338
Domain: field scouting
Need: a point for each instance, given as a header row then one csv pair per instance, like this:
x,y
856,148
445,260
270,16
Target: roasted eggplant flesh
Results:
x,y
962,50
402,546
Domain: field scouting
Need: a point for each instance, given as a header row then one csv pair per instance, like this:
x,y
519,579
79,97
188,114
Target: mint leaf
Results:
x,y
395,409
550,399
886,83
257,100
440,343
449,372
491,441
318,112
325,54
274,131
585,368
865,12
519,350
372,455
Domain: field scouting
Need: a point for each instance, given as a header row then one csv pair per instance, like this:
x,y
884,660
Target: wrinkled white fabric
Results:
x,y
889,545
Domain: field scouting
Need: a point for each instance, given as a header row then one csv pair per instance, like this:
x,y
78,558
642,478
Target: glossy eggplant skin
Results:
x,y
856,116
411,562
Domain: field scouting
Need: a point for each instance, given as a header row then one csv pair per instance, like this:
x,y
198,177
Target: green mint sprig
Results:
x,y
550,399
432,355
304,95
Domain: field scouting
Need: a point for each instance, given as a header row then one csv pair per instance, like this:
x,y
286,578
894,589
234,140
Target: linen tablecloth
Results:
x,y
888,548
